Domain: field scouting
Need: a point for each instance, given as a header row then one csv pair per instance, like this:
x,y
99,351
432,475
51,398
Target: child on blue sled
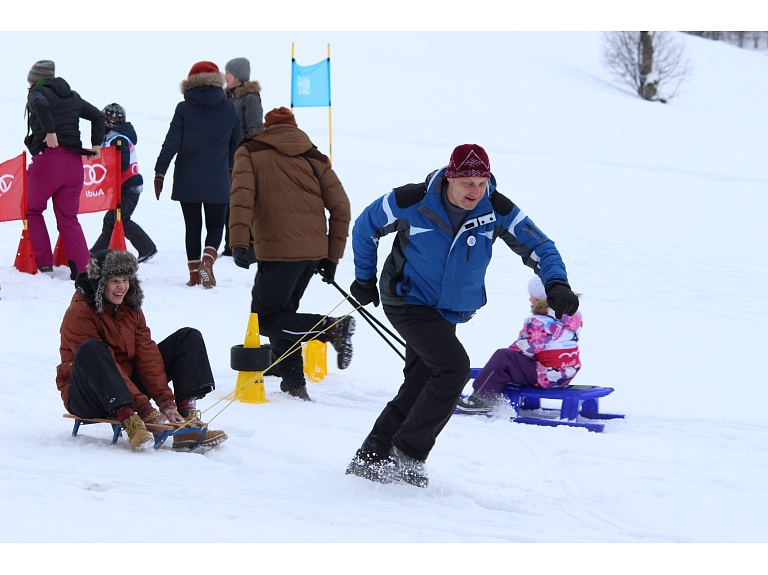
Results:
x,y
546,354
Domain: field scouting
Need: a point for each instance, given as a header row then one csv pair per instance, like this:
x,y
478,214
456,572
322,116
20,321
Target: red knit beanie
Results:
x,y
204,67
468,161
281,115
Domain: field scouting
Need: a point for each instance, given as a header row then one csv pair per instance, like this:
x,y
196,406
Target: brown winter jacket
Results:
x,y
125,331
281,187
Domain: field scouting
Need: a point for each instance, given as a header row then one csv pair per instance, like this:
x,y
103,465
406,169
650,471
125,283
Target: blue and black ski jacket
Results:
x,y
430,266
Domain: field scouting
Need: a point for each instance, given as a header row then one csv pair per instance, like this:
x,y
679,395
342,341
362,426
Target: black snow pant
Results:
x,y
436,371
133,231
193,221
97,389
277,291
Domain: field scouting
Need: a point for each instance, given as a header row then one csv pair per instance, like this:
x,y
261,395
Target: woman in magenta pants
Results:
x,y
54,112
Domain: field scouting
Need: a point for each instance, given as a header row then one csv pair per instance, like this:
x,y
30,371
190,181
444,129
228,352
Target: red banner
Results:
x,y
101,182
13,175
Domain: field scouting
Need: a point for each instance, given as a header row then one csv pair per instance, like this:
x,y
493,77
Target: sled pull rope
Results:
x,y
290,350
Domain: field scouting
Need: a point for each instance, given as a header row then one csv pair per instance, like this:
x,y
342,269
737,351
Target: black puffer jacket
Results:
x,y
55,107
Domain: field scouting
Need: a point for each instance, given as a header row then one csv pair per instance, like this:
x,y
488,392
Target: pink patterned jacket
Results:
x,y
554,344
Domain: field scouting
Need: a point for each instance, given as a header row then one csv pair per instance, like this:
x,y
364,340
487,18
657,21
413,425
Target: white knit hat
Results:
x,y
536,288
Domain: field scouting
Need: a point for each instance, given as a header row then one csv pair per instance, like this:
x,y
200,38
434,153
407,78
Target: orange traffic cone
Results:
x,y
117,241
59,255
25,255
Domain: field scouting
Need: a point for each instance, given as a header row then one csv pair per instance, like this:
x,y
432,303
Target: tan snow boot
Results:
x,y
194,273
184,442
206,267
138,436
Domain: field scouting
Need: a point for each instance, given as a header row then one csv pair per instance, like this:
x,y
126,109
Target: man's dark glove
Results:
x,y
327,270
240,255
365,291
159,179
561,299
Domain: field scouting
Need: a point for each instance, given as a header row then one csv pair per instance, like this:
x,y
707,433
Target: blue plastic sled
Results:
x,y
578,402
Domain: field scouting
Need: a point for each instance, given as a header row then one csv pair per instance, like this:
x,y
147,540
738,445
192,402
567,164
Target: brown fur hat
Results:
x,y
108,264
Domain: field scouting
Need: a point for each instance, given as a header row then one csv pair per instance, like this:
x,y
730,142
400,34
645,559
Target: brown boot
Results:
x,y
138,436
194,273
206,267
185,442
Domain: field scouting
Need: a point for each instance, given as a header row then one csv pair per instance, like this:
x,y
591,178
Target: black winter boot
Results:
x,y
340,337
408,469
293,382
372,466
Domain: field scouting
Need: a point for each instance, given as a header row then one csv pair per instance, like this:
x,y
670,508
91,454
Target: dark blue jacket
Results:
x,y
430,266
203,135
54,107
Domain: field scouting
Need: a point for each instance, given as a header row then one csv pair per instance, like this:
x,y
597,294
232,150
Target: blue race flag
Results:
x,y
311,85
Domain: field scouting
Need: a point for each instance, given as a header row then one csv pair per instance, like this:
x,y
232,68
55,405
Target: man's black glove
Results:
x,y
365,291
240,255
561,299
327,270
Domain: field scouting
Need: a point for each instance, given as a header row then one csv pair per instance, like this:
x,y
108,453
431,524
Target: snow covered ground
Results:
x,y
657,211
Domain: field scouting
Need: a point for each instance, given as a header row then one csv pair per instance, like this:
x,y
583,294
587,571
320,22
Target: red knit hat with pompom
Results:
x,y
468,161
204,67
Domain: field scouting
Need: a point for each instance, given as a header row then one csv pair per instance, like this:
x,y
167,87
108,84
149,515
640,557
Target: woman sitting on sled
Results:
x,y
546,354
111,368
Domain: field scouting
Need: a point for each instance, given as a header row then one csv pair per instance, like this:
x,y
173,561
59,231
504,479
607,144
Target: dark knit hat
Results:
x,y
468,161
114,115
281,115
204,67
108,264
41,70
240,68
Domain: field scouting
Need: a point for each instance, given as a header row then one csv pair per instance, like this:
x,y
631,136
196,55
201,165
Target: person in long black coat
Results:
x,y
203,136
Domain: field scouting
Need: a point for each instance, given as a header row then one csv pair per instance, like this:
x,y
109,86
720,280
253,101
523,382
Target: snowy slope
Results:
x,y
657,211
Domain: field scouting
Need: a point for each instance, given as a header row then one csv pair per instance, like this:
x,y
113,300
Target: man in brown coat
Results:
x,y
110,366
281,189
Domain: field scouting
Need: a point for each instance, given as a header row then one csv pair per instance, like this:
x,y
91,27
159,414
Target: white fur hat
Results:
x,y
536,288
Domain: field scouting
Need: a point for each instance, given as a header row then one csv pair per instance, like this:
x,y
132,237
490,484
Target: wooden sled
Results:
x,y
161,432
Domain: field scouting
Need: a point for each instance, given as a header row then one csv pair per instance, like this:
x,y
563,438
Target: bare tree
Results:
x,y
653,64
740,39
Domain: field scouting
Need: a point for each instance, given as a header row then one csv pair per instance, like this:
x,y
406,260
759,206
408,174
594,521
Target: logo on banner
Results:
x,y
303,85
6,183
94,174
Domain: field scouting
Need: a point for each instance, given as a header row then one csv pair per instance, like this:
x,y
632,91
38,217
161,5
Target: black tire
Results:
x,y
250,358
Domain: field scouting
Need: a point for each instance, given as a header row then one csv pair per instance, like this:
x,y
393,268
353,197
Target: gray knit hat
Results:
x,y
41,70
240,68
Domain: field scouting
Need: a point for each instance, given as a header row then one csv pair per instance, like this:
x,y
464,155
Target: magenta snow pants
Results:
x,y
56,173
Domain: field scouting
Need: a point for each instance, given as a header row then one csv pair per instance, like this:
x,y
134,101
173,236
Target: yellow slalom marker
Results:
x,y
315,355
250,384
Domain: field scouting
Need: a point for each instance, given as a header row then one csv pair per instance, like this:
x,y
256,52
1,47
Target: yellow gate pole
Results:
x,y
330,123
250,384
